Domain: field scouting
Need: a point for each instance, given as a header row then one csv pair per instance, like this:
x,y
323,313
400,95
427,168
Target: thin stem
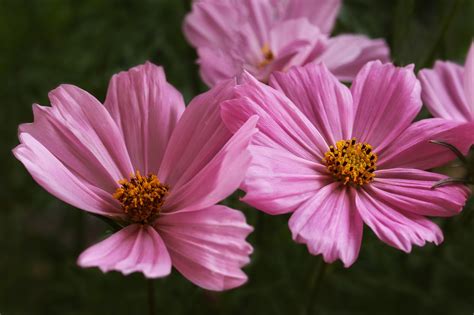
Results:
x,y
315,285
448,181
114,225
151,296
452,148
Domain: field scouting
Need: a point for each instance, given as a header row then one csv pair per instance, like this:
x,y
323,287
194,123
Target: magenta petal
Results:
x,y
395,227
329,224
79,132
346,54
321,13
281,124
387,100
278,182
469,79
58,180
146,108
412,148
443,91
410,190
135,248
204,162
208,246
321,97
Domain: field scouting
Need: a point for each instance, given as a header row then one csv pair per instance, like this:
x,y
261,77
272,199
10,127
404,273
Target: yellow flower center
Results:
x,y
141,197
268,56
351,162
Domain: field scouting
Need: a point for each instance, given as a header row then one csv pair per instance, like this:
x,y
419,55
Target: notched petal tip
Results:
x,y
135,248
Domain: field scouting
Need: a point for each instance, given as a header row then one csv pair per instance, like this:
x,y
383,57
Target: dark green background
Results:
x,y
45,43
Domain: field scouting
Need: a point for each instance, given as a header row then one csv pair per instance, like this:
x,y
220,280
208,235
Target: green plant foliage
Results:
x,y
47,42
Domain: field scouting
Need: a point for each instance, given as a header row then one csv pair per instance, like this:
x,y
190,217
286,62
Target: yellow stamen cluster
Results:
x,y
268,56
141,197
351,162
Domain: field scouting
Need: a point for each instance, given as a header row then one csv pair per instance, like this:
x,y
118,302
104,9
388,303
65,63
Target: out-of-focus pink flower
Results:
x,y
262,36
337,157
448,89
155,168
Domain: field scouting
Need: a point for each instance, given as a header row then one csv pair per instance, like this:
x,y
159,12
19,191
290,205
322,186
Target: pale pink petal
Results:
x,y
395,227
50,173
204,162
346,54
443,91
329,224
321,13
278,182
260,15
469,79
135,248
281,124
208,246
211,24
411,190
321,97
387,100
412,148
146,108
80,132
217,65
286,34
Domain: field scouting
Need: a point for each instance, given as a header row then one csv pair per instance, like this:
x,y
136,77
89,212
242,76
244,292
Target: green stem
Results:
x,y
151,296
114,225
315,286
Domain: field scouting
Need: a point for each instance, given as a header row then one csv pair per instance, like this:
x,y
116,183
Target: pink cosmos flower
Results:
x,y
448,89
155,168
262,36
337,157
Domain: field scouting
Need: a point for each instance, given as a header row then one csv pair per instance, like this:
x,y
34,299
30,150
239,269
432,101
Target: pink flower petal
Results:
x,y
141,101
278,182
50,173
329,224
469,80
412,148
211,24
290,33
260,16
395,227
443,91
281,124
319,95
410,190
387,100
135,248
217,65
321,13
208,246
204,162
346,54
79,131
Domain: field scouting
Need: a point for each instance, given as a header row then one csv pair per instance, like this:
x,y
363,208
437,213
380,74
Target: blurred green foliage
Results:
x,y
47,42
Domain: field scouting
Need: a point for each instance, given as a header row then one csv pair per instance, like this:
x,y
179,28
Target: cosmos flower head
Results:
x,y
448,89
153,167
263,36
339,158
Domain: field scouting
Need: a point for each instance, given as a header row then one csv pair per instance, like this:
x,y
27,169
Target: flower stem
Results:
x,y
317,278
151,296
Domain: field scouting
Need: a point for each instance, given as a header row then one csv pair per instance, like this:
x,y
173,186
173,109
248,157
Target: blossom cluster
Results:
x,y
278,123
